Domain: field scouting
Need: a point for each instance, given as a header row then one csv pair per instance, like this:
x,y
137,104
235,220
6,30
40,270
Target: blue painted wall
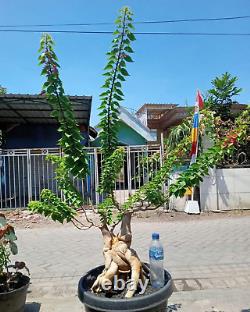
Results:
x,y
34,136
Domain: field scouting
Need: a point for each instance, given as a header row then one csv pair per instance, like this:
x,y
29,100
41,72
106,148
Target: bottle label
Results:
x,y
156,254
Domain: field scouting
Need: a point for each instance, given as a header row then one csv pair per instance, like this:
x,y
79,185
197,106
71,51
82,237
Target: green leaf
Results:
x,y
128,49
120,77
51,89
107,74
44,71
128,58
106,85
118,84
104,93
131,36
2,221
13,248
108,67
130,25
118,97
124,71
11,236
119,92
102,113
118,21
126,41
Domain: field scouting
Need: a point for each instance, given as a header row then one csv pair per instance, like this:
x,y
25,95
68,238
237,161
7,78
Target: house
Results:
x,y
162,117
28,134
139,142
25,121
218,190
131,131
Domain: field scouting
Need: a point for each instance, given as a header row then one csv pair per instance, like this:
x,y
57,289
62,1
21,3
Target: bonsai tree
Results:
x,y
10,275
117,251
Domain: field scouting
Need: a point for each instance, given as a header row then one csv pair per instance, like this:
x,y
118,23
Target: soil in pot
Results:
x,y
152,300
18,280
119,294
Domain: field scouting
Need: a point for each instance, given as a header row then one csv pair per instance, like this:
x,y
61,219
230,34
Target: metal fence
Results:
x,y
25,172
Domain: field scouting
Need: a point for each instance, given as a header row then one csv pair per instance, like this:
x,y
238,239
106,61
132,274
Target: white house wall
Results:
x,y
226,189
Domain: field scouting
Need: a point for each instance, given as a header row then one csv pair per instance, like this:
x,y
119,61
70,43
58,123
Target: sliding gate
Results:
x,y
25,172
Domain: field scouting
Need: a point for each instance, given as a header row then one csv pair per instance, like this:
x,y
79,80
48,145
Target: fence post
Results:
x,y
129,170
29,175
164,188
1,177
97,201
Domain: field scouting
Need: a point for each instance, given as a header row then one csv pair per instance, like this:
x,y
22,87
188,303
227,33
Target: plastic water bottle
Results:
x,y
156,258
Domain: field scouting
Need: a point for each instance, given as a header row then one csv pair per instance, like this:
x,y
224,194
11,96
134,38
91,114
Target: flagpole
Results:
x,y
192,206
196,151
197,110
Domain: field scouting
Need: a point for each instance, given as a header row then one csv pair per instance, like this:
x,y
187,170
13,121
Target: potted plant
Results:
x,y
13,284
119,258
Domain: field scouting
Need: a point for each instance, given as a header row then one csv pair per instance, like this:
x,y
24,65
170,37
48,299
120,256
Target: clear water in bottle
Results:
x,y
156,259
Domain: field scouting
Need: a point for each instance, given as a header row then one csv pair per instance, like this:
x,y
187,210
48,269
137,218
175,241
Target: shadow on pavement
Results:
x,y
173,307
32,307
245,310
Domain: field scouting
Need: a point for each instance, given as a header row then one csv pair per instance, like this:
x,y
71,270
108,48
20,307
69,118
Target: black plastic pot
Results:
x,y
14,301
155,302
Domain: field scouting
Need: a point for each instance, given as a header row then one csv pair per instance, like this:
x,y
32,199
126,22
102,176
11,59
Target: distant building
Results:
x,y
131,131
162,117
25,121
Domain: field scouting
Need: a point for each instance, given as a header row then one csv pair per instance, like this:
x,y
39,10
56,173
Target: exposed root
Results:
x,y
119,259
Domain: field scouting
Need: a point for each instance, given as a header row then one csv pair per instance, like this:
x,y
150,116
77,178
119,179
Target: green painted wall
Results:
x,y
126,136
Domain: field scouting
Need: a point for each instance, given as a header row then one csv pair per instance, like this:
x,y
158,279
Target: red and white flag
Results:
x,y
199,100
195,128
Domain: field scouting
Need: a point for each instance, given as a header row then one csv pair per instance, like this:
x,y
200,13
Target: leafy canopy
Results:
x,y
151,195
74,161
115,73
220,97
3,90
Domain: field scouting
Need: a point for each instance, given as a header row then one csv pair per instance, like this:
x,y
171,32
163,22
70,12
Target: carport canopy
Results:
x,y
26,108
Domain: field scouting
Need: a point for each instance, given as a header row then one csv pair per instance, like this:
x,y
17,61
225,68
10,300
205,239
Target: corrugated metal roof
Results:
x,y
156,106
27,108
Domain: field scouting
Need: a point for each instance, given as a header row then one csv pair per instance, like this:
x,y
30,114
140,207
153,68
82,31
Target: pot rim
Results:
x,y
26,285
153,299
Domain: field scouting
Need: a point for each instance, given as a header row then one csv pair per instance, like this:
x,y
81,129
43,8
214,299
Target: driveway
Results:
x,y
209,261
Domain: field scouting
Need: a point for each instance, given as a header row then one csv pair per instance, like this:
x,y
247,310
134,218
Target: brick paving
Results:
x,y
200,255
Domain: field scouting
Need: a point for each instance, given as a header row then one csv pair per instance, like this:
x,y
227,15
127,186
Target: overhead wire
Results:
x,y
9,28
209,19
136,33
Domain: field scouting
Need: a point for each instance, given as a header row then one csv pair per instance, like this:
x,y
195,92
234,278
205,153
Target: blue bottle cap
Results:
x,y
155,236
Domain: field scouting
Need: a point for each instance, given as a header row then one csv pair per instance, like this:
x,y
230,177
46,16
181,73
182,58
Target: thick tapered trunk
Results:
x,y
119,258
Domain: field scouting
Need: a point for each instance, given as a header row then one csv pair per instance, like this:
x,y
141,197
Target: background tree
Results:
x,y
3,90
220,97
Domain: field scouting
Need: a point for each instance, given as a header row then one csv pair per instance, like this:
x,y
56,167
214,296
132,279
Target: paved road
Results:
x,y
205,258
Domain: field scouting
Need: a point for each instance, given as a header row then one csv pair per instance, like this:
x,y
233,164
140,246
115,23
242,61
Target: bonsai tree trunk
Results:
x,y
120,258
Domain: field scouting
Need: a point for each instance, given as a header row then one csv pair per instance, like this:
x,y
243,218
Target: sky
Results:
x,y
166,69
